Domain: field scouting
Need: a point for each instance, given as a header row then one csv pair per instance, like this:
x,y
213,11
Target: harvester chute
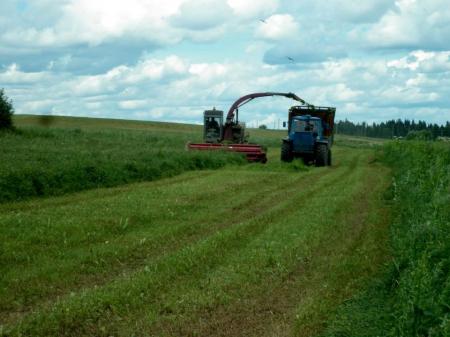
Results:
x,y
230,136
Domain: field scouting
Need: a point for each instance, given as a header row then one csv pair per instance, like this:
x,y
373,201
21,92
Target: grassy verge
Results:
x,y
412,297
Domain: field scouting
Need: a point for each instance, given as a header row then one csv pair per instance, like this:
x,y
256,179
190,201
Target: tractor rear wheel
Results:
x,y
322,155
329,157
286,152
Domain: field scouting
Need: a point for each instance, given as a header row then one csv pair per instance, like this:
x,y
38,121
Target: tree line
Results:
x,y
392,128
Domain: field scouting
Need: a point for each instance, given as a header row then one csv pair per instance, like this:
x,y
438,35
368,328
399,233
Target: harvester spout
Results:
x,y
247,98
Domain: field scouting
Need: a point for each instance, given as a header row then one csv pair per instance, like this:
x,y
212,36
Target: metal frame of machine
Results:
x,y
231,136
312,147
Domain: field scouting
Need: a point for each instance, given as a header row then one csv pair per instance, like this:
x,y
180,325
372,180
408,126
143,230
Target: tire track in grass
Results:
x,y
154,248
89,306
236,319
278,209
140,253
291,303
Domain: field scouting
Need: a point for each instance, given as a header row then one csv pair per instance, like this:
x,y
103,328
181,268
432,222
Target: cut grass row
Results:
x,y
133,230
196,254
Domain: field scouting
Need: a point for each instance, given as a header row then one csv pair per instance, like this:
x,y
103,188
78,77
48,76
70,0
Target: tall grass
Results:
x,y
38,162
412,297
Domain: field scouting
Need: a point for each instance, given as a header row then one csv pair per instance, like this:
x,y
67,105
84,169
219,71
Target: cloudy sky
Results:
x,y
171,59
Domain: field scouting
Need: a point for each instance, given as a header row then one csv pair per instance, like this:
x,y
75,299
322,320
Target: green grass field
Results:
x,y
232,249
71,154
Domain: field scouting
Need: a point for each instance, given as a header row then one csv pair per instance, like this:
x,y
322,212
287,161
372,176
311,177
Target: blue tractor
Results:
x,y
310,135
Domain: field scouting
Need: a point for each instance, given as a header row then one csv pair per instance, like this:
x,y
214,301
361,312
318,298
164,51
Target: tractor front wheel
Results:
x,y
286,152
322,155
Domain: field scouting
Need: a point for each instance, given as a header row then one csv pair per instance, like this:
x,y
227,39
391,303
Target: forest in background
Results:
x,y
393,128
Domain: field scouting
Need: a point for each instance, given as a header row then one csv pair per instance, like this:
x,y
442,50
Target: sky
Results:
x,y
170,60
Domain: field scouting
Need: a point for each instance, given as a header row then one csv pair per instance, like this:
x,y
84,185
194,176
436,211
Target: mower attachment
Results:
x,y
253,152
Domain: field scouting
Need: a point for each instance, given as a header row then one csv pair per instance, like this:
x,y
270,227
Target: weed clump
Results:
x,y
420,135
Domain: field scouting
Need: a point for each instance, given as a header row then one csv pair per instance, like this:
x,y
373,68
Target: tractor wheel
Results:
x,y
286,152
329,157
322,155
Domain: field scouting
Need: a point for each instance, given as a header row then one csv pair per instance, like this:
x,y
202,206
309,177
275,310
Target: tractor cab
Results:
x,y
212,126
305,131
310,134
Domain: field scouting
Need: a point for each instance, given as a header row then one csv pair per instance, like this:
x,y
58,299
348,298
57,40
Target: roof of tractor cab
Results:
x,y
326,114
312,108
306,117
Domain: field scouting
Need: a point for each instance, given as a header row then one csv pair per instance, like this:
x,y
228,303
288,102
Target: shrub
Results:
x,y
6,111
419,135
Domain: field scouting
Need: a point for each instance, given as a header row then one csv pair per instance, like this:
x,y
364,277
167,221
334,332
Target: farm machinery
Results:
x,y
310,135
230,136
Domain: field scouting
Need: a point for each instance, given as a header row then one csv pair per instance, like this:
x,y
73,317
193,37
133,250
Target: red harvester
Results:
x,y
230,136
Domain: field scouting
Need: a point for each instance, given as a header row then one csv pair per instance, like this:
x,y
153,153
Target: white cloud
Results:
x,y
278,27
358,11
61,62
201,14
96,22
159,22
13,75
145,71
42,106
413,24
174,88
342,93
422,61
133,104
207,72
154,69
270,121
408,95
251,9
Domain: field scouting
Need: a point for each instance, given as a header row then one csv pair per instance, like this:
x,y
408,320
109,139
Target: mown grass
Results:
x,y
78,154
412,296
251,250
358,142
234,251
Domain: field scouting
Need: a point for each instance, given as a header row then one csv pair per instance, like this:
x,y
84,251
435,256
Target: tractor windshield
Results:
x,y
212,129
307,125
